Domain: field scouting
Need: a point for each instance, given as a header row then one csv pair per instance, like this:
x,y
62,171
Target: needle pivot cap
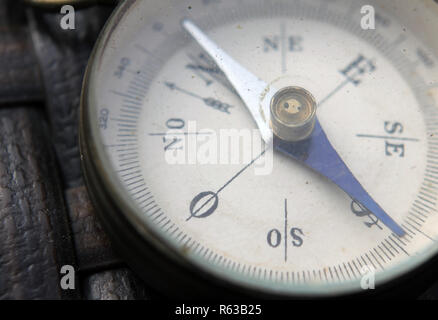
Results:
x,y
293,114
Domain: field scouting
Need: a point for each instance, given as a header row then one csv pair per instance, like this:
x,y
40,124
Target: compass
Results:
x,y
267,148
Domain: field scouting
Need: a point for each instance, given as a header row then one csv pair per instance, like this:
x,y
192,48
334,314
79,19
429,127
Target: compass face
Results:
x,y
175,147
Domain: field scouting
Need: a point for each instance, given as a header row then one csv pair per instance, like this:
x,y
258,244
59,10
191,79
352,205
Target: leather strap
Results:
x,y
19,75
63,56
34,232
36,205
92,244
118,284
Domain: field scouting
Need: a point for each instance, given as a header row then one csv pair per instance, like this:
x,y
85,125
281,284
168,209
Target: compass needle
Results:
x,y
318,154
254,92
319,151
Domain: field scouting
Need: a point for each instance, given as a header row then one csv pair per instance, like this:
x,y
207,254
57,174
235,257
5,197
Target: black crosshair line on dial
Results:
x,y
213,196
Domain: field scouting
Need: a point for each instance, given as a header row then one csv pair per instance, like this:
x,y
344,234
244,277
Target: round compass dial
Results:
x,y
278,147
